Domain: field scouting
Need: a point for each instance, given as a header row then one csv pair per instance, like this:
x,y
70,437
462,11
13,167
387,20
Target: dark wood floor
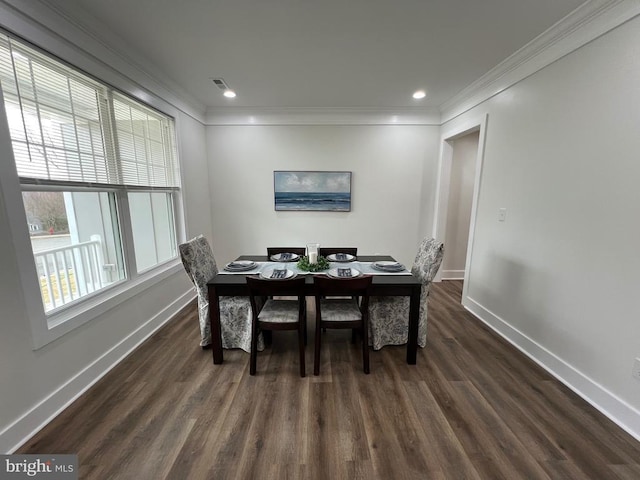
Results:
x,y
473,407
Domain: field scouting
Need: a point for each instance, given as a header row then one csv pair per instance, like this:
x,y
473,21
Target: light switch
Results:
x,y
502,214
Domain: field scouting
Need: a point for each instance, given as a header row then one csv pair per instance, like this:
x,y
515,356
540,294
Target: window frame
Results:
x,y
49,327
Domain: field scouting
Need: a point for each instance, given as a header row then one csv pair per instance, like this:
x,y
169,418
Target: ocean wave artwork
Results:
x,y
308,191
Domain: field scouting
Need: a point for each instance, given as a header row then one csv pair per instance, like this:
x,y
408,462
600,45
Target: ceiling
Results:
x,y
318,54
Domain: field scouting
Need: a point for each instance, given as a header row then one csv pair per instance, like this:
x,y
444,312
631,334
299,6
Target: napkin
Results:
x,y
285,256
341,256
279,273
344,272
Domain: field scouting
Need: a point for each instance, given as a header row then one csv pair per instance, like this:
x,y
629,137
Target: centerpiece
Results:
x,y
306,265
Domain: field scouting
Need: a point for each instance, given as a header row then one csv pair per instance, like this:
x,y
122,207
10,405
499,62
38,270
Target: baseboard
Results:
x,y
21,430
616,409
452,275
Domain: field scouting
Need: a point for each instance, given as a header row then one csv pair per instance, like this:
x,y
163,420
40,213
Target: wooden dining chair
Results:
x,y
325,251
350,310
277,313
275,250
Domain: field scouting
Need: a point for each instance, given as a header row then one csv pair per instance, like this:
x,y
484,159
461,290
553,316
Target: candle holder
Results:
x,y
312,252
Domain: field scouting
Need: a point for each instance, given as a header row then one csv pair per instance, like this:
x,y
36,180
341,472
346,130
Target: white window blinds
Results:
x,y
144,144
67,127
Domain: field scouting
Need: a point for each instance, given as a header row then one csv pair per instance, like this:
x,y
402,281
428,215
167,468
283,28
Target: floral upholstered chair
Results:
x,y
235,312
389,316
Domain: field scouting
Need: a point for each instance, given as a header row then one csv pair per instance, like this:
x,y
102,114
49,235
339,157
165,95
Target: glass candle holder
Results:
x,y
312,252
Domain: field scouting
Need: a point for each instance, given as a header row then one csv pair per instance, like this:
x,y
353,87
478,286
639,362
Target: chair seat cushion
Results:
x,y
279,311
339,310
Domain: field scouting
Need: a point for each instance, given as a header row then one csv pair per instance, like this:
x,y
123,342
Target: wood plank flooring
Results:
x,y
472,408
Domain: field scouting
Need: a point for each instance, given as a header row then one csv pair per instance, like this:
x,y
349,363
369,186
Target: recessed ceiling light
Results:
x,y
419,94
229,93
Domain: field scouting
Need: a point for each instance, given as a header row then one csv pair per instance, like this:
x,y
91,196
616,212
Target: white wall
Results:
x,y
463,167
36,384
560,276
389,165
195,176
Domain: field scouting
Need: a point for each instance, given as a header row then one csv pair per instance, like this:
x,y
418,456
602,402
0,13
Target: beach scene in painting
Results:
x,y
312,191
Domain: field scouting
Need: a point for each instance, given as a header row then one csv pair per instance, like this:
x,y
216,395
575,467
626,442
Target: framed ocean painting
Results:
x,y
311,190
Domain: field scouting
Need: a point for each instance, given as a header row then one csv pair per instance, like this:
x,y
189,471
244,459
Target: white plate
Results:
x,y
267,272
240,266
333,258
388,266
335,274
278,257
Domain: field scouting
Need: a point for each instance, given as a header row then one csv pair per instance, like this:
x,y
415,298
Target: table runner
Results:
x,y
363,267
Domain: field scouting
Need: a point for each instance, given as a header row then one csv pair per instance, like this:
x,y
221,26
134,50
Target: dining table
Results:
x,y
383,284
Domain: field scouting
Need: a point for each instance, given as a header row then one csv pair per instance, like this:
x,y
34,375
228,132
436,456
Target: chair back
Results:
x,y
198,261
266,288
428,260
260,288
275,250
324,251
344,287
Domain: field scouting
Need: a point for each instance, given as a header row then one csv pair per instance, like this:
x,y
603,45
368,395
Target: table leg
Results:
x,y
214,322
414,320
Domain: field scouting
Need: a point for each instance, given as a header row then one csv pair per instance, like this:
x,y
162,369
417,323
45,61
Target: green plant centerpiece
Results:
x,y
304,265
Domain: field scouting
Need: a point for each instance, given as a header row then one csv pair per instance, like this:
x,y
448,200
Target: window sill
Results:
x,y
64,322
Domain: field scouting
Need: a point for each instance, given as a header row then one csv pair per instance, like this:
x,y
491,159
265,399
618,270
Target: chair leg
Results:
x,y
305,327
316,353
301,342
254,348
365,346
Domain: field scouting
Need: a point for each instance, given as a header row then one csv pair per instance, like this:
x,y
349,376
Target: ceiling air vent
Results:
x,y
220,83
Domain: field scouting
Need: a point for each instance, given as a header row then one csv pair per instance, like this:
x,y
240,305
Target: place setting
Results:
x,y
240,266
285,257
341,257
277,273
344,272
388,266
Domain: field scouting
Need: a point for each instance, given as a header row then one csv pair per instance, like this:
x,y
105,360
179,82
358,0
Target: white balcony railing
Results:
x,y
70,272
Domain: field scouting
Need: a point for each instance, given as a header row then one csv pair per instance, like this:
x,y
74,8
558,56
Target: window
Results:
x,y
75,241
98,172
152,222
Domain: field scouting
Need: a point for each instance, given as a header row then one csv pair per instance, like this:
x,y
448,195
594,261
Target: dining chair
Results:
x,y
278,313
351,311
235,312
301,251
275,250
389,316
325,251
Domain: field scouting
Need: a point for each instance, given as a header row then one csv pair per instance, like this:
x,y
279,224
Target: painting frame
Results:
x,y
312,190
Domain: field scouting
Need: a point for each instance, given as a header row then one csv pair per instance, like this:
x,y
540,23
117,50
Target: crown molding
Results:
x,y
321,116
588,22
87,44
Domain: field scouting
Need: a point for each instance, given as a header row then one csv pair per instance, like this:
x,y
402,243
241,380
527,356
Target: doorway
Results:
x,y
460,171
463,166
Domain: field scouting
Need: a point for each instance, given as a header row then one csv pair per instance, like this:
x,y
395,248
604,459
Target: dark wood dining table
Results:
x,y
382,285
